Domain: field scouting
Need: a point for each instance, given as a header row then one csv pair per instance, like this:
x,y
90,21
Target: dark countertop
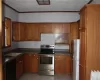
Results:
x,y
33,51
8,59
36,51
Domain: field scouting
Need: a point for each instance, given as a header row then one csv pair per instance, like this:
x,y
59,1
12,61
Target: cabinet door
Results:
x,y
31,63
68,65
32,32
16,31
36,32
61,28
34,63
60,66
23,32
27,62
46,28
74,33
19,67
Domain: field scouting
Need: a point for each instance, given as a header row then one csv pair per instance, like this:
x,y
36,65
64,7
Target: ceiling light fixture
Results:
x,y
43,2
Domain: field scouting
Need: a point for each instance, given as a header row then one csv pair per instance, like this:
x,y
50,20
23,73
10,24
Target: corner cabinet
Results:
x,y
31,62
89,40
16,31
19,67
25,32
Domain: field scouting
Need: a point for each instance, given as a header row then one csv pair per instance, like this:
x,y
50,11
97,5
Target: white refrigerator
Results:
x,y
76,56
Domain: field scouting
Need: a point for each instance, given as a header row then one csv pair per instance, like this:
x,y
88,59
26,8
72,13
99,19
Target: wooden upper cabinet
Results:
x,y
61,28
25,32
74,30
33,33
74,33
55,28
16,31
46,28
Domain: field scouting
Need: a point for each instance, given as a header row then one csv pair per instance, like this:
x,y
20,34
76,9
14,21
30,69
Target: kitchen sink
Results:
x,y
13,54
7,58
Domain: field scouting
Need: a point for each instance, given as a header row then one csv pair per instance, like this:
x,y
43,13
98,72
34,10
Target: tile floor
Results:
x,y
41,77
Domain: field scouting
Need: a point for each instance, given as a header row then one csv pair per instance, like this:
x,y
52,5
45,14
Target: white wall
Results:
x,y
48,17
37,44
8,12
29,44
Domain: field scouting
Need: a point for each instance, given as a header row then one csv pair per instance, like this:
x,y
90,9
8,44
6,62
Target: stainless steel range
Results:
x,y
46,60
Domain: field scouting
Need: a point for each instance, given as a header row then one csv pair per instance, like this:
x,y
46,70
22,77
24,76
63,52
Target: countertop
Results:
x,y
30,51
36,51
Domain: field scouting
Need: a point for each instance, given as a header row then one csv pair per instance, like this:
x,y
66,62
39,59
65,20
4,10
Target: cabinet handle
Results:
x,y
37,58
34,55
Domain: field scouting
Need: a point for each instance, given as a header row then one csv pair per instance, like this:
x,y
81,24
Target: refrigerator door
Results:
x,y
76,49
75,70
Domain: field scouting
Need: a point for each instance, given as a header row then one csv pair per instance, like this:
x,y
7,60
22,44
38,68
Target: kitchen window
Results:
x,y
7,33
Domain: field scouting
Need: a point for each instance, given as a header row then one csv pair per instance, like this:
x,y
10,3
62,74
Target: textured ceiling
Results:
x,y
55,5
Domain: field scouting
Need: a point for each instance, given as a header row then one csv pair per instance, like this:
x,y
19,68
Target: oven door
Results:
x,y
46,62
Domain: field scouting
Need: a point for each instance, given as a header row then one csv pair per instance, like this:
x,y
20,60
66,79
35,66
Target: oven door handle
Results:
x,y
45,55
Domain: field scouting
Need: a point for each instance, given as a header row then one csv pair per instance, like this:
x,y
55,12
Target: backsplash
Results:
x,y
13,46
29,44
46,39
62,46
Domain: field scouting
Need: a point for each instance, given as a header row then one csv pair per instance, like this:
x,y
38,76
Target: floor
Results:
x,y
41,77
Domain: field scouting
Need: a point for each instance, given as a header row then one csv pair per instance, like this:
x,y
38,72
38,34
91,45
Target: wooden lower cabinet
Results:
x,y
62,64
31,62
19,67
35,63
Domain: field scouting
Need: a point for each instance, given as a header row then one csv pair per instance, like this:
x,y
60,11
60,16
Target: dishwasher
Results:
x,y
10,70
